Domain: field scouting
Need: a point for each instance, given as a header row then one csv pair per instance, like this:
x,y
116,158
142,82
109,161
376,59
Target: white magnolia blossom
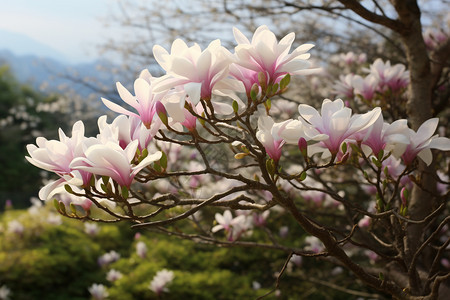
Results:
x,y
98,291
161,280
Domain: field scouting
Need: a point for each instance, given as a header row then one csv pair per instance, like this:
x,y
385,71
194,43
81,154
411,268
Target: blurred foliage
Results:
x,y
52,257
24,115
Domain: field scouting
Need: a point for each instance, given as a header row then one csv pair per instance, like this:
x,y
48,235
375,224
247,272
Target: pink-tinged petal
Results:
x,y
46,192
440,143
217,228
427,129
294,66
126,96
145,162
240,37
227,216
426,155
265,123
145,74
174,110
193,89
178,47
308,71
222,108
268,58
362,122
219,218
118,109
308,112
160,54
143,92
181,66
285,44
339,122
166,83
204,64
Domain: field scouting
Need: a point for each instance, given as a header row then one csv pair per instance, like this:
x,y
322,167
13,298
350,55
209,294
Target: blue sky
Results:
x,y
72,27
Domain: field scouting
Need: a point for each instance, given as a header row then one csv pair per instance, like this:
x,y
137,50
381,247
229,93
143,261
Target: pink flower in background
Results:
x,y
395,77
366,87
313,244
337,122
98,291
232,226
344,86
265,54
143,102
161,280
141,249
111,160
113,275
422,141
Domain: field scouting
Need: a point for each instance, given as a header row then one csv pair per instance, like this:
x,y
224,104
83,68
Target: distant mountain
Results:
x,y
21,44
51,75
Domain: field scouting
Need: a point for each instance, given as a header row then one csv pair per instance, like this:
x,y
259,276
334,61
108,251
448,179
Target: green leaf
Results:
x,y
163,160
270,167
235,106
285,81
253,94
344,147
125,192
302,176
73,208
68,189
275,88
62,208
56,205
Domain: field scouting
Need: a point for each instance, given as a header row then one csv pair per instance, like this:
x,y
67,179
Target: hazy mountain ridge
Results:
x,y
50,75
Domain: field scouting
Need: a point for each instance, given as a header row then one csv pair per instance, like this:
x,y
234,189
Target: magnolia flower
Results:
x,y
395,77
98,291
269,135
196,71
422,141
313,244
388,137
141,249
56,156
161,280
113,161
108,258
143,102
16,227
125,129
337,122
265,54
344,86
230,224
113,275
366,87
91,228
5,292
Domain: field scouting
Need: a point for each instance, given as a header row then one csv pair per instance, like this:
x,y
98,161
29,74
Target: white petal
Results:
x,y
426,155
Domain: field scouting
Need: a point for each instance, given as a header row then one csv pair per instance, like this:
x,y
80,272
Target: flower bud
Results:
x,y
303,146
404,194
162,113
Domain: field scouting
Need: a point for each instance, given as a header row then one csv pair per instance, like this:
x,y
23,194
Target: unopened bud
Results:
x,y
303,146
240,155
162,113
404,195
